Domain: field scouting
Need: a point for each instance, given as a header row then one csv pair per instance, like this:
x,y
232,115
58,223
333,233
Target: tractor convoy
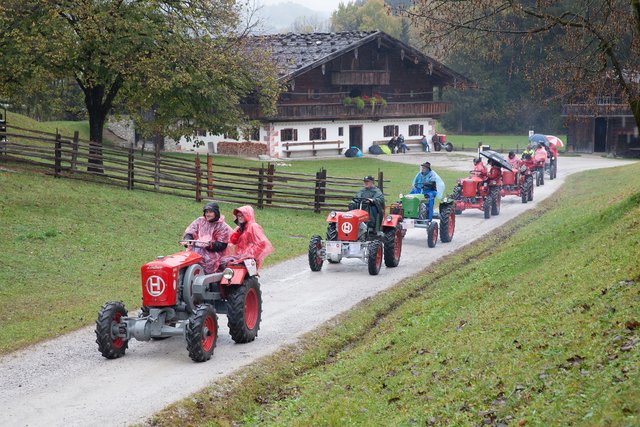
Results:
x,y
180,299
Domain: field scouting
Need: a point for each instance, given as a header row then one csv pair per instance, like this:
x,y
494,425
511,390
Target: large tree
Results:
x,y
186,61
584,49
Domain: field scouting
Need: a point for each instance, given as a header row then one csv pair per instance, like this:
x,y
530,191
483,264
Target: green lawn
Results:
x,y
536,325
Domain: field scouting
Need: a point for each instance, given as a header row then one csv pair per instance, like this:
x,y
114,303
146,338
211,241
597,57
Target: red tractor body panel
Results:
x,y
470,186
508,177
349,222
160,278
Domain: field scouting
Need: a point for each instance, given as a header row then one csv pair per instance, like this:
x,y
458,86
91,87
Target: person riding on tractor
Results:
x,y
375,198
514,161
430,184
212,229
248,239
479,169
495,173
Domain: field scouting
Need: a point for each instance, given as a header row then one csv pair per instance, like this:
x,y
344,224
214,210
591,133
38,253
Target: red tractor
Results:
x,y
518,183
351,234
179,299
475,192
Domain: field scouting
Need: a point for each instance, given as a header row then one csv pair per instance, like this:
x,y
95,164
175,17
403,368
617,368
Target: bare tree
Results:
x,y
579,50
310,24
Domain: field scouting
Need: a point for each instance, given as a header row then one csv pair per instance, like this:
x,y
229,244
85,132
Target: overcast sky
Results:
x,y
326,6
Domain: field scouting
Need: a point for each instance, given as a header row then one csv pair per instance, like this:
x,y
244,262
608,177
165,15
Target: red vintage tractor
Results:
x,y
179,299
351,234
476,192
518,183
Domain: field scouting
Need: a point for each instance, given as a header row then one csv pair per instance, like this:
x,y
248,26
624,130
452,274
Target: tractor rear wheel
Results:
x,y
432,234
315,259
449,147
486,207
244,310
495,200
423,211
110,345
332,231
392,246
332,235
447,222
374,260
202,333
530,195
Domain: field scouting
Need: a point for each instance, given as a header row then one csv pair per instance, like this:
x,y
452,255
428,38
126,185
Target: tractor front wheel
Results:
x,y
332,235
392,246
449,147
110,345
530,195
447,222
432,234
202,333
315,257
244,310
374,260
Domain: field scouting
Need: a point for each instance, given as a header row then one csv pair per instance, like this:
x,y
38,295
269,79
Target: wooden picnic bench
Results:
x,y
314,146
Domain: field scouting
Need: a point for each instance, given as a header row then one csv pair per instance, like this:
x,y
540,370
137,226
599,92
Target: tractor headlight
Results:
x,y
389,218
332,214
227,274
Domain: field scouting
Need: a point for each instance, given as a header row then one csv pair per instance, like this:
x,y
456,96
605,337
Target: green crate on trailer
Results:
x,y
411,205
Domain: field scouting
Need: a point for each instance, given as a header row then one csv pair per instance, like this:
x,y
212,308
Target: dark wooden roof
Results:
x,y
296,53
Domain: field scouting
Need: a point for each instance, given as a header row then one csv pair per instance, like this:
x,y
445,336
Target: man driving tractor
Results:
x,y
430,184
373,195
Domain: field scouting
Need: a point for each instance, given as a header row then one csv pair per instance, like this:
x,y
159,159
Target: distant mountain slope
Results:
x,y
280,17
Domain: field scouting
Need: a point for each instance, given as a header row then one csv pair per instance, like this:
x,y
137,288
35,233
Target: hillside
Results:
x,y
536,325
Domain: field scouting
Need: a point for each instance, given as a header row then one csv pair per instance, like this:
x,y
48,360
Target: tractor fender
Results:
x,y
332,217
239,273
391,220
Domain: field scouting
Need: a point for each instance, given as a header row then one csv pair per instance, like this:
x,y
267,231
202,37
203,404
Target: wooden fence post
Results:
x,y
321,186
209,176
316,192
156,177
57,164
261,187
271,171
130,170
198,179
74,151
381,181
3,135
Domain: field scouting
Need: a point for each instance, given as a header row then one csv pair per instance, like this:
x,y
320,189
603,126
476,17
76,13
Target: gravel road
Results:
x,y
65,382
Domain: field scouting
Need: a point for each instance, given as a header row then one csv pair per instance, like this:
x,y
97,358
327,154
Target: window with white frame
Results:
x,y
289,135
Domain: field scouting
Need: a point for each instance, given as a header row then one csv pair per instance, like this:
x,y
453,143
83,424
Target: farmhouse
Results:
x,y
350,89
606,127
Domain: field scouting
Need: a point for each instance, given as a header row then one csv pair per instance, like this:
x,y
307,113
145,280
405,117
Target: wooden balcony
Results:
x,y
360,78
586,110
305,112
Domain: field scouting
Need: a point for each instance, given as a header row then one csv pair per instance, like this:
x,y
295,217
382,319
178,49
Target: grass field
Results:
x,y
536,325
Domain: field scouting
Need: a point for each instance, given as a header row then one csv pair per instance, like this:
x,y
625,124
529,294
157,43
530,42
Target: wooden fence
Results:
x,y
167,173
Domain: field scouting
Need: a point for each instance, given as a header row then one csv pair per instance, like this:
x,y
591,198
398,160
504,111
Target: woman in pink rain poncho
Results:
x,y
211,229
249,238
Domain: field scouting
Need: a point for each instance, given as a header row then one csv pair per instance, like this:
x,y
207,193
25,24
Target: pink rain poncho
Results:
x,y
206,231
249,239
540,155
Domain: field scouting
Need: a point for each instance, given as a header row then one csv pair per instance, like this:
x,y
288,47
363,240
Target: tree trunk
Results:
x,y
96,125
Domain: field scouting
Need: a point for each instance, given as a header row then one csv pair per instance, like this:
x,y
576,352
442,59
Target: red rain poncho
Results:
x,y
206,231
540,155
479,169
250,240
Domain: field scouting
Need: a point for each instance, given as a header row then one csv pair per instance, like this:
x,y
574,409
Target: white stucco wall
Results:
x,y
371,131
